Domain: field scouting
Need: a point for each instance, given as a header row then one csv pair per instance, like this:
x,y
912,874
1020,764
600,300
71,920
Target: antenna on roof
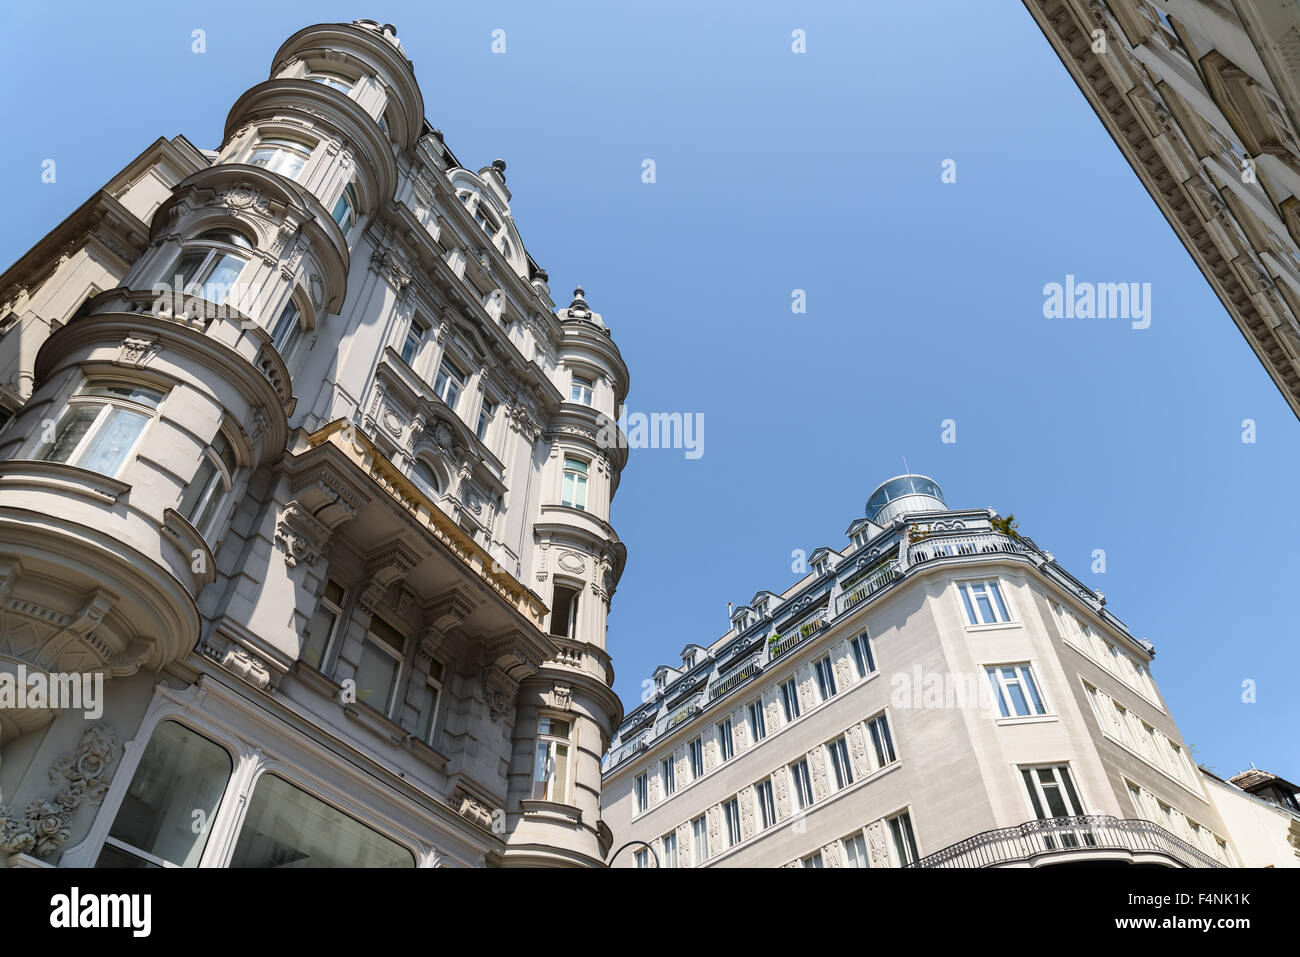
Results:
x,y
906,470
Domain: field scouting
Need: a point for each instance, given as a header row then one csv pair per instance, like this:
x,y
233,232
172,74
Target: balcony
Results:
x,y
734,678
1071,840
929,549
864,589
797,633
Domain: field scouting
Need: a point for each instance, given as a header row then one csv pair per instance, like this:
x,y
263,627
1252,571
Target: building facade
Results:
x,y
303,468
939,693
1203,98
1262,811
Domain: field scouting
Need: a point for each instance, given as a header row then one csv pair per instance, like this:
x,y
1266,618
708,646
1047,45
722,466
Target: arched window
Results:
x,y
426,478
209,264
281,154
337,80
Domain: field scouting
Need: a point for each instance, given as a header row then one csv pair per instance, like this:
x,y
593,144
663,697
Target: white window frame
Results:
x,y
996,596
789,692
582,390
641,790
1024,679
884,749
449,383
217,486
335,608
902,856
824,672
575,484
414,341
860,647
700,840
731,819
549,743
668,774
695,757
840,763
764,798
757,720
107,405
669,845
726,741
285,155
801,784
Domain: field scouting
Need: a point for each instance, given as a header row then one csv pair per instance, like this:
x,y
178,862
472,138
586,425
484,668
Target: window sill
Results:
x,y
995,626
1027,719
67,479
552,810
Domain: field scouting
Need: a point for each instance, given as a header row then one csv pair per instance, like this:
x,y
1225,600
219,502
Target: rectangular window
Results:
x,y
757,721
449,383
983,602
642,787
666,771
882,740
642,858
1015,690
564,612
900,829
100,426
669,841
863,659
766,805
825,672
790,700
696,751
416,334
841,769
855,851
485,414
202,499
382,655
426,702
280,154
731,814
287,329
581,391
551,774
320,632
1051,792
699,840
813,860
726,744
802,784
575,483
345,210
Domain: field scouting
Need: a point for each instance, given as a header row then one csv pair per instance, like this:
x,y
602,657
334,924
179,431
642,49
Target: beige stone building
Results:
x,y
1203,98
1262,811
939,693
303,468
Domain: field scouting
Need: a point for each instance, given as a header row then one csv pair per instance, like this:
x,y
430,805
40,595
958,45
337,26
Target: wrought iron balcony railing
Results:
x,y
1086,834
868,586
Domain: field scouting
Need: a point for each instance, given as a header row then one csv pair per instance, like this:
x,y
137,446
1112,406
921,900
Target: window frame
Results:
x,y
859,645
449,380
87,444
278,145
801,784
1030,690
222,477
726,740
699,840
824,673
582,391
552,741
995,596
334,607
576,482
216,251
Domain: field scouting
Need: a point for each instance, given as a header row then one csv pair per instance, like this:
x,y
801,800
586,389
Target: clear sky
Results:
x,y
820,172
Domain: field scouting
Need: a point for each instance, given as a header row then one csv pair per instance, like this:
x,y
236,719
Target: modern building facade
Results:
x,y
939,693
304,468
1203,99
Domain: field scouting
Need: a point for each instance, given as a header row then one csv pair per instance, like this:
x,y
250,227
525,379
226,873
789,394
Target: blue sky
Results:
x,y
819,172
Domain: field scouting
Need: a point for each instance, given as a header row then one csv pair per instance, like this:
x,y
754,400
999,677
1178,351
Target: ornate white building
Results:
x,y
939,693
303,464
1202,97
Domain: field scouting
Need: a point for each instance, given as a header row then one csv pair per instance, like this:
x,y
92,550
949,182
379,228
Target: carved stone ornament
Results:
x,y
299,536
476,811
136,350
499,691
42,827
244,196
572,562
443,435
560,697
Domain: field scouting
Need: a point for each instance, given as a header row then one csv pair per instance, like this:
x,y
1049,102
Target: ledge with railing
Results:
x,y
799,632
868,586
735,677
1090,835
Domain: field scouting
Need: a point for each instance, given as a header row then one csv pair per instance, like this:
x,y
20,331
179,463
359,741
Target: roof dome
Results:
x,y
903,494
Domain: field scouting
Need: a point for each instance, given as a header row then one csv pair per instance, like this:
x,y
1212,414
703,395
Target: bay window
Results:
x,y
575,483
209,265
101,425
281,154
345,210
203,497
580,391
551,771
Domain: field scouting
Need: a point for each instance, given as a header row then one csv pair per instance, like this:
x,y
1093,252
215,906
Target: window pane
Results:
x,y
317,636
71,431
375,676
287,827
180,773
123,390
193,496
222,278
108,449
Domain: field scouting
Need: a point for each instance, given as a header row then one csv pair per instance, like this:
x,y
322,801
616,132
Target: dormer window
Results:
x,y
819,567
